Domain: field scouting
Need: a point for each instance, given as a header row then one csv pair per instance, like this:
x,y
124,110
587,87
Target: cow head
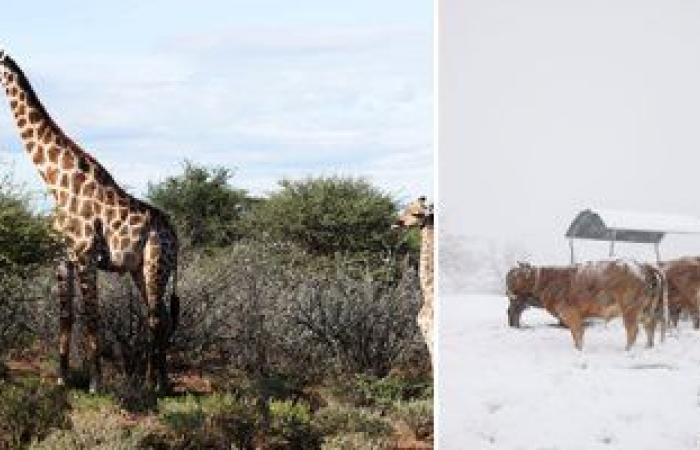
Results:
x,y
520,283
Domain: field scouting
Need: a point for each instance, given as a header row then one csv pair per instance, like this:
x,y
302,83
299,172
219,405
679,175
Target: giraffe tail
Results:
x,y
174,303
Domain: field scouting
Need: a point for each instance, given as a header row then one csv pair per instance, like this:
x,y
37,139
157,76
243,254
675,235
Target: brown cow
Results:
x,y
683,278
603,289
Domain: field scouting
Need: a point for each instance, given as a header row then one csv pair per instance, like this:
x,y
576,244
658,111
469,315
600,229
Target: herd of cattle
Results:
x,y
639,292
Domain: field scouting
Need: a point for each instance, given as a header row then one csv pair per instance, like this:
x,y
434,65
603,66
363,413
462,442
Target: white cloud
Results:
x,y
272,103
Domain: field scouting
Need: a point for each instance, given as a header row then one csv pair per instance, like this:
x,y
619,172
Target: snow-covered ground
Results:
x,y
528,388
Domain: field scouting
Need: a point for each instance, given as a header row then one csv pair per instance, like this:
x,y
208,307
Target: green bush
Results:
x,y
342,419
291,427
418,415
357,441
96,423
204,206
328,215
369,391
215,421
30,410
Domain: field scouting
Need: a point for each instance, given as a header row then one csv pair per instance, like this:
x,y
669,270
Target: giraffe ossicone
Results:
x,y
103,228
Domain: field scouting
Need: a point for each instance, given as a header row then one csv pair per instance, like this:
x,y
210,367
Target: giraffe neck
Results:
x,y
62,164
425,269
88,202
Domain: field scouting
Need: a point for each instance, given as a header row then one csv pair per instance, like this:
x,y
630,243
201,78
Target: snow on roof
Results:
x,y
605,224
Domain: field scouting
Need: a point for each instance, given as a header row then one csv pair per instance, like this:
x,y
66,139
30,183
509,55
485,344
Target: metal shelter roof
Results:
x,y
626,226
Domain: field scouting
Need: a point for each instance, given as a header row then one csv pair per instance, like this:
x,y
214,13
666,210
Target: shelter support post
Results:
x,y
656,250
571,248
612,245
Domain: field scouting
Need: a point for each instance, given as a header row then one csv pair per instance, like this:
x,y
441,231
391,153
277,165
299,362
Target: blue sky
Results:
x,y
269,88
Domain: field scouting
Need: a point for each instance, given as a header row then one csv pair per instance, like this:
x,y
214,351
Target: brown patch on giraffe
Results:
x,y
88,229
51,174
98,208
22,96
109,197
29,145
61,141
116,225
124,213
73,206
68,161
27,134
123,202
53,154
62,198
13,104
21,123
14,91
47,135
34,116
38,156
78,181
125,242
43,127
86,210
83,164
135,219
74,224
21,110
89,189
64,181
109,214
10,77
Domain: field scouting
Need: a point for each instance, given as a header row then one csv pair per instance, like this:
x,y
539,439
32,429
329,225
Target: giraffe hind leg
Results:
x,y
65,276
152,285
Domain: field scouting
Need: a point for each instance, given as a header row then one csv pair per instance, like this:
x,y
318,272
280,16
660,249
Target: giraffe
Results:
x,y
419,214
103,228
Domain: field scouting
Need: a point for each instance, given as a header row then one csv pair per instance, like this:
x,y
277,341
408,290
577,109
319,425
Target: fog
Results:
x,y
550,107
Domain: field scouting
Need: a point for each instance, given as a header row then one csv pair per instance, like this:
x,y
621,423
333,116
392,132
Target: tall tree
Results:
x,y
327,215
203,204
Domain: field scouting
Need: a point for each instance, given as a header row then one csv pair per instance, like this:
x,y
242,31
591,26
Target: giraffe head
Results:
x,y
417,214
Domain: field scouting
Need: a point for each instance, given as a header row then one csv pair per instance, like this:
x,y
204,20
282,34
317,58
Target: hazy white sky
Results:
x,y
551,106
272,88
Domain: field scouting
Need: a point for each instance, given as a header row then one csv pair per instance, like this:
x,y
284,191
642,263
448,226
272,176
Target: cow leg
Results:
x,y
674,313
515,310
87,276
65,275
649,328
630,319
573,320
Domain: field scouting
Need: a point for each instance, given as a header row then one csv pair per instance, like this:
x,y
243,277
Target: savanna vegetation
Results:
x,y
297,326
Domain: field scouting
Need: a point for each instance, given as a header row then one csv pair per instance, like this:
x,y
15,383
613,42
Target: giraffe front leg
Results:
x,y
65,276
87,275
